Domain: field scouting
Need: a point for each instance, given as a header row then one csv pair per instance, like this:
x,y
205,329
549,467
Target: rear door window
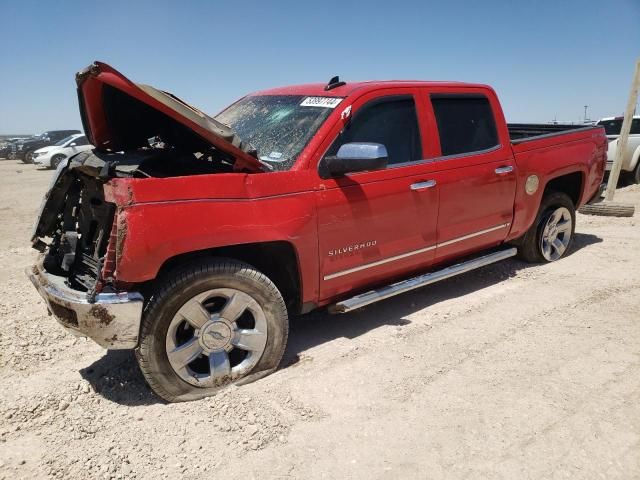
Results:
x,y
465,123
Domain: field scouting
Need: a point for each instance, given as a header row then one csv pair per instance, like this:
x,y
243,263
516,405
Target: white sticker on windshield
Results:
x,y
324,102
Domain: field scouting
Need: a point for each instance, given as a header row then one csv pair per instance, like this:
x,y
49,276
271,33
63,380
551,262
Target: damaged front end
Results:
x,y
139,133
77,234
78,221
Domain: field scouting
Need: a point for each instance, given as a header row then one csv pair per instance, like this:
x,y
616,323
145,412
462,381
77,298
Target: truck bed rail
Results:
x,y
523,132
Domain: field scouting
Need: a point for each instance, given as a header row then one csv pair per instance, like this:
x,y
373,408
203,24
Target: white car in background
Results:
x,y
52,155
631,158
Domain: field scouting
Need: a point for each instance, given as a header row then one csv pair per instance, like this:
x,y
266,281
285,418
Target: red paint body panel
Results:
x,y
323,219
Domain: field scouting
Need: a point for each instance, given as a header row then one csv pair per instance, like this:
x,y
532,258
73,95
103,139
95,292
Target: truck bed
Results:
x,y
522,132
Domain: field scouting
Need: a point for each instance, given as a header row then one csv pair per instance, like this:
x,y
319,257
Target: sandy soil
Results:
x,y
513,371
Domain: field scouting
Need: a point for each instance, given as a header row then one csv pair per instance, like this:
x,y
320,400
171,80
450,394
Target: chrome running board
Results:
x,y
381,293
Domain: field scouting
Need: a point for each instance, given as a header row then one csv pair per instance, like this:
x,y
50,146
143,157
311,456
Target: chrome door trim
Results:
x,y
379,262
413,252
474,234
423,185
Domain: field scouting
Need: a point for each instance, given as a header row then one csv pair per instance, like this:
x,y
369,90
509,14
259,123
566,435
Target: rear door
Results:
x,y
477,173
377,225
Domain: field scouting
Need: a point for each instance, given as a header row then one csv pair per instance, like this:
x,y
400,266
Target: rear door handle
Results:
x,y
503,170
423,185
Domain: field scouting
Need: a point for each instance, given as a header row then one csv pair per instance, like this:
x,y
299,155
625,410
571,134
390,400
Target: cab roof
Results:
x,y
318,89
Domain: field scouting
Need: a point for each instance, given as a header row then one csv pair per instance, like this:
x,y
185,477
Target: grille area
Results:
x,y
80,242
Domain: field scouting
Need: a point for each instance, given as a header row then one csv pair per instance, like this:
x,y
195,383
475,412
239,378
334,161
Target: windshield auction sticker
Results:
x,y
324,102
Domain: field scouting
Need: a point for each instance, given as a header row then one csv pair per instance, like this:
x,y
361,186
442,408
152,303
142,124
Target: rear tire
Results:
x,y
636,173
550,236
28,156
210,325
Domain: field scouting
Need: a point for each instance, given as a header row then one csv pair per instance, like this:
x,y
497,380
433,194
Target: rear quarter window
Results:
x,y
465,123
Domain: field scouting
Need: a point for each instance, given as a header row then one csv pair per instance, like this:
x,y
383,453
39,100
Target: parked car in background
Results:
x,y
7,145
291,199
631,157
51,157
24,150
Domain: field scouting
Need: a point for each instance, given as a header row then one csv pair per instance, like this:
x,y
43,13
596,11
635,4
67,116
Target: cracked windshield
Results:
x,y
278,126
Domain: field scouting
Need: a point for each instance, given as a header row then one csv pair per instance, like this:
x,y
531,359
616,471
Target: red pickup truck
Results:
x,y
192,238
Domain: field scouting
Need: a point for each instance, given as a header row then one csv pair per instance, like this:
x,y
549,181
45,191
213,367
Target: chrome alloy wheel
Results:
x,y
556,234
217,335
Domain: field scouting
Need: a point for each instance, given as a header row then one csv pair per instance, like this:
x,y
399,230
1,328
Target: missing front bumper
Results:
x,y
112,321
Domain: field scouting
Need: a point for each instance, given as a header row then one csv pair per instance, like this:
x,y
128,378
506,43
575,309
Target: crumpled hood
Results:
x,y
119,115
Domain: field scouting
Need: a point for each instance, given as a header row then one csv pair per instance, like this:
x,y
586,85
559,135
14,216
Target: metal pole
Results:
x,y
623,139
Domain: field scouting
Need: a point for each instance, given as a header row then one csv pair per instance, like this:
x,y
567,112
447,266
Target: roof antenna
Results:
x,y
334,83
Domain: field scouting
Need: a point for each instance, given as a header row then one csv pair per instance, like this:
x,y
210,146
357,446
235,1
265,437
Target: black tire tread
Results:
x,y
528,249
25,158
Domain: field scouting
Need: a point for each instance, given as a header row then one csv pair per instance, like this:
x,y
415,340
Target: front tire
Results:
x,y
55,160
28,156
551,234
210,325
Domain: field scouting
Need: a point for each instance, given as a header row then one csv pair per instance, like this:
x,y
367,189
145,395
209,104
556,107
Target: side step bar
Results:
x,y
420,281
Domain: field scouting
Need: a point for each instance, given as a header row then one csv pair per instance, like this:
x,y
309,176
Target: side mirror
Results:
x,y
354,157
73,144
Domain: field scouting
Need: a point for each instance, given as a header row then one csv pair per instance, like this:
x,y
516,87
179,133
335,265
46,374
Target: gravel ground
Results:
x,y
511,371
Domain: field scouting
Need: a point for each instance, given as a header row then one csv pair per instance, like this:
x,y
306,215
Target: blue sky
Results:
x,y
546,59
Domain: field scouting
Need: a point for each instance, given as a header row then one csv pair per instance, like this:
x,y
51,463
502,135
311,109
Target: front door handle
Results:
x,y
503,170
423,185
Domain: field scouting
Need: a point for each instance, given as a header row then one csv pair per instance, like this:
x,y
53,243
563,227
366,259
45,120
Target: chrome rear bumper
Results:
x,y
112,321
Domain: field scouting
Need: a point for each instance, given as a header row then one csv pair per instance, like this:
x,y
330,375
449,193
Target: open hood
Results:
x,y
119,115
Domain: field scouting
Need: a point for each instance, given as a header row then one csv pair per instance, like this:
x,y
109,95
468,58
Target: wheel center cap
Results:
x,y
215,336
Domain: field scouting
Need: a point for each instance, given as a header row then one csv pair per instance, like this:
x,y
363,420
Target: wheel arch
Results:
x,y
570,183
278,260
527,207
55,155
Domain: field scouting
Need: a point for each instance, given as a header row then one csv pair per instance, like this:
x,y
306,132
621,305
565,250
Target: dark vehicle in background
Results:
x,y
7,145
24,150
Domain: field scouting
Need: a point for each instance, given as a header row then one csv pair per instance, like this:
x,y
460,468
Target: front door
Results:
x,y
380,224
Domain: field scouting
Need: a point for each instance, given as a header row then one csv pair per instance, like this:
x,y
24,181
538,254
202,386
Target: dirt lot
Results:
x,y
513,371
